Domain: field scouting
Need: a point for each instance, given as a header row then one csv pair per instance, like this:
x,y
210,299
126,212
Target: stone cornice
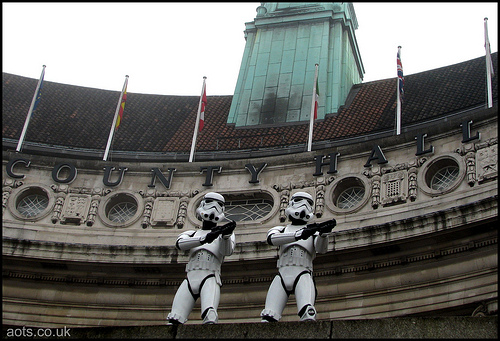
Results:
x,y
155,276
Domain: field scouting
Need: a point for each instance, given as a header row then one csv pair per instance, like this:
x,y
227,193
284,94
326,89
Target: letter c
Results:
x,y
10,166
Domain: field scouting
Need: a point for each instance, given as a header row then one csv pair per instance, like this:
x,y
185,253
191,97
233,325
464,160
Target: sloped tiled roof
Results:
x,y
81,117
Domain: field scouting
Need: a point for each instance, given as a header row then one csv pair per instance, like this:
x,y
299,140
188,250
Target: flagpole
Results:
x,y
111,132
311,118
489,64
196,126
398,104
30,111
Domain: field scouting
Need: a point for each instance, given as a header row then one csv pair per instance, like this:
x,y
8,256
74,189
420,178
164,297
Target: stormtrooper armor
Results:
x,y
207,249
298,244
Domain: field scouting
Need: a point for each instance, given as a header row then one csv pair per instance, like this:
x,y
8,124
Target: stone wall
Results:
x,y
402,249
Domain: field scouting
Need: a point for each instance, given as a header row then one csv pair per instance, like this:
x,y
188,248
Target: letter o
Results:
x,y
57,169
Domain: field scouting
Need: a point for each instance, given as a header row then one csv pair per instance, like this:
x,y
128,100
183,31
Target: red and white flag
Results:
x,y
489,65
316,100
314,108
200,118
400,91
202,109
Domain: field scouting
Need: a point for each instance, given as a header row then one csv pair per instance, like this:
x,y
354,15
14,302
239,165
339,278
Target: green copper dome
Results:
x,y
283,44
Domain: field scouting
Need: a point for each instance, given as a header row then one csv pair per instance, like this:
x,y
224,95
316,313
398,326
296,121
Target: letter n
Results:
x,y
158,174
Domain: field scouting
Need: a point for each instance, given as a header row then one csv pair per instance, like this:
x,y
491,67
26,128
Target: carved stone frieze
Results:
x,y
395,184
166,209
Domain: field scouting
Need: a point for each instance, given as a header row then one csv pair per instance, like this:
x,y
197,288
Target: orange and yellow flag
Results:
x,y
122,107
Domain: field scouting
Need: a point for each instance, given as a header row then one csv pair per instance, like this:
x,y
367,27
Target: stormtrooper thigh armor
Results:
x,y
296,280
204,284
295,276
203,279
200,283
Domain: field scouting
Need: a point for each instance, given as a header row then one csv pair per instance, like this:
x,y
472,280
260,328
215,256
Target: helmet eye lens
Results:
x,y
209,201
299,199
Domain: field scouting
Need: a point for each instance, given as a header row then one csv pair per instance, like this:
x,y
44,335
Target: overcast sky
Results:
x,y
167,48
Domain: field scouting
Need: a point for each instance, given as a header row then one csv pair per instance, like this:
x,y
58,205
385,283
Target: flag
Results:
x,y
314,108
200,118
400,91
39,93
117,118
202,110
34,103
489,65
316,100
122,107
401,79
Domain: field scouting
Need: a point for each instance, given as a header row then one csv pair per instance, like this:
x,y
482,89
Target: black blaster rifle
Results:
x,y
225,229
324,227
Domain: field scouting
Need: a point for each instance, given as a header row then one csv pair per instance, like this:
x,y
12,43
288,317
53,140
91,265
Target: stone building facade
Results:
x,y
88,242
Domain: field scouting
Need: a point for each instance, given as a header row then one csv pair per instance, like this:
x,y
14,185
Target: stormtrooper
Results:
x,y
298,244
207,248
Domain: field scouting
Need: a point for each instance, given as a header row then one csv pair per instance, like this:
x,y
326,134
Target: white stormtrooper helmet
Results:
x,y
211,207
300,206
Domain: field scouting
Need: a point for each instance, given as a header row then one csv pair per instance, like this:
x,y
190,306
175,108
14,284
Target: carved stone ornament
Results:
x,y
487,163
8,186
375,192
321,184
412,183
394,188
76,208
470,161
164,211
181,217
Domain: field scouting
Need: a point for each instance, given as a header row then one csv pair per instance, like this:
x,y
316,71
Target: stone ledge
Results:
x,y
402,328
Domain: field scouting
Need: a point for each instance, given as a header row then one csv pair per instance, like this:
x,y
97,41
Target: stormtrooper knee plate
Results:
x,y
307,313
210,316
